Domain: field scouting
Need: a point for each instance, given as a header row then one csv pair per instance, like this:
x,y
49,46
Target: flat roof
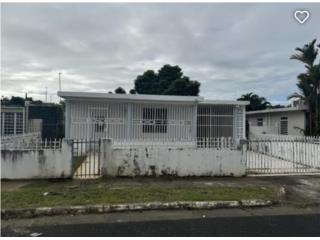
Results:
x,y
145,97
275,110
11,107
225,102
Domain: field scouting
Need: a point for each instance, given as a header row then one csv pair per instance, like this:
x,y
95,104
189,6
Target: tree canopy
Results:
x,y
120,90
18,101
132,91
169,80
256,102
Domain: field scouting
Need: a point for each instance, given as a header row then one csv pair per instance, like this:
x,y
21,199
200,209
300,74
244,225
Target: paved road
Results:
x,y
280,225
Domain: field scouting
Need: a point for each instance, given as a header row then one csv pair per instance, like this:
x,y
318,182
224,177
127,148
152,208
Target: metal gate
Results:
x,y
86,158
283,156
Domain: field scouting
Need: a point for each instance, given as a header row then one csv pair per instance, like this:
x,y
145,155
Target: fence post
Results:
x,y
105,155
242,146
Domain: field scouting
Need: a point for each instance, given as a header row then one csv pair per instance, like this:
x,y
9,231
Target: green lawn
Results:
x,y
100,192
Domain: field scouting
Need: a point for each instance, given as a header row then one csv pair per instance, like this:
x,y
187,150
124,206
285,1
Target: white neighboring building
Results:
x,y
151,118
12,120
280,121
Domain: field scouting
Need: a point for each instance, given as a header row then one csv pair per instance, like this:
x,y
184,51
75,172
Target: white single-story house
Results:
x,y
279,121
152,119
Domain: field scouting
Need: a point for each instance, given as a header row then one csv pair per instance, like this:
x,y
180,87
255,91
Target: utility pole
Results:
x,y
60,81
60,85
46,92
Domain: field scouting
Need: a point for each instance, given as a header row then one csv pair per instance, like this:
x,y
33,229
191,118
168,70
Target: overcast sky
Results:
x,y
230,48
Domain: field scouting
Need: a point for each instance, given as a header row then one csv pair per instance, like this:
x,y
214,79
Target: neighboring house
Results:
x,y
50,116
12,120
279,121
151,118
45,119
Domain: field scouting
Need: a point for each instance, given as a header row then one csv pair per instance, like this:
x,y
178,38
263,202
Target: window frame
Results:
x,y
284,122
260,122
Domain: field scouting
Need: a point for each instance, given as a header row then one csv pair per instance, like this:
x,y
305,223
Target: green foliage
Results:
x,y
120,90
307,54
132,91
256,102
168,81
147,83
14,101
18,101
309,85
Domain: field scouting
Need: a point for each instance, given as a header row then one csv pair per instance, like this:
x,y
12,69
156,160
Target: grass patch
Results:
x,y
67,193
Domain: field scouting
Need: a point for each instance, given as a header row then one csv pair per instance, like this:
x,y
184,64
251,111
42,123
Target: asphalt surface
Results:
x,y
281,225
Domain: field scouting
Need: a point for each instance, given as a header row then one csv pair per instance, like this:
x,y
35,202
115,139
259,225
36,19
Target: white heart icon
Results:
x,y
301,15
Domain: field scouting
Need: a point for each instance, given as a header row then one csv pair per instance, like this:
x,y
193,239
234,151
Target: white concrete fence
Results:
x,y
210,157
44,159
226,160
16,141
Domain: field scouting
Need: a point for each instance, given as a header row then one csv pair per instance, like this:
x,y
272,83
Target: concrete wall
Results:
x,y
296,121
150,161
45,163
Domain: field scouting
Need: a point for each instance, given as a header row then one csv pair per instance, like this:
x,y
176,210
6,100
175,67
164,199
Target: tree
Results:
x,y
147,83
14,101
256,102
183,87
168,81
120,90
309,84
167,75
132,91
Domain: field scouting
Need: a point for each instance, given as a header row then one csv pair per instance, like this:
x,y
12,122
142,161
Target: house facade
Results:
x,y
282,121
155,119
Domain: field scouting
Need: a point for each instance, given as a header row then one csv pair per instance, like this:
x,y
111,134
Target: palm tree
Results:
x,y
256,102
307,54
309,83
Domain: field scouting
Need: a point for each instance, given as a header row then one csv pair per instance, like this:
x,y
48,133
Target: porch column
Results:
x,y
67,120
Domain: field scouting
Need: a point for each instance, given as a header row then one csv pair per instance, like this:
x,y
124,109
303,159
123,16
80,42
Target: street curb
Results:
x,y
107,208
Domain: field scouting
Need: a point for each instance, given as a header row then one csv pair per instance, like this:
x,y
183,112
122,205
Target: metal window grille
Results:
x,y
19,123
153,123
284,126
214,121
155,120
132,122
12,123
238,123
260,122
99,117
9,123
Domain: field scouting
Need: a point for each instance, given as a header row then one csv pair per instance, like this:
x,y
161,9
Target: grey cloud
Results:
x,y
230,48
